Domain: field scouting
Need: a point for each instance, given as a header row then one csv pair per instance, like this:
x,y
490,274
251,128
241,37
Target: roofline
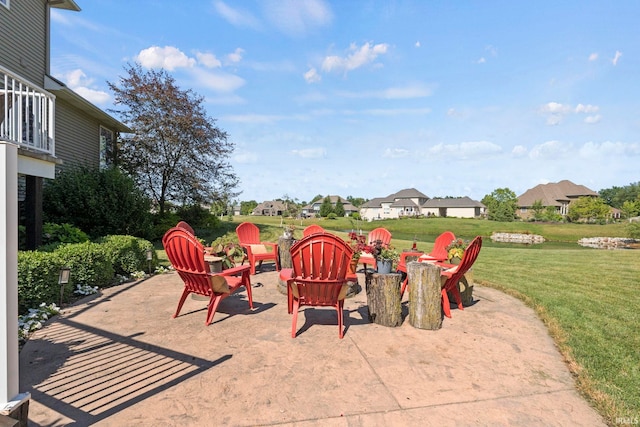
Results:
x,y
65,4
63,92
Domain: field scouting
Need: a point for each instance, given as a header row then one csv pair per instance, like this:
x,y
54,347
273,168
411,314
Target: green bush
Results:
x,y
633,230
62,233
38,279
88,262
127,254
98,201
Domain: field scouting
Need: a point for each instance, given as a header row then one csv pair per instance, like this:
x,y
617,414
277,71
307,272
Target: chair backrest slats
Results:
x,y
186,255
468,258
248,233
440,245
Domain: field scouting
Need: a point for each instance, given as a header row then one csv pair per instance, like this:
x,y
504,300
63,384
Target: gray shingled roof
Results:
x,y
407,193
458,202
553,194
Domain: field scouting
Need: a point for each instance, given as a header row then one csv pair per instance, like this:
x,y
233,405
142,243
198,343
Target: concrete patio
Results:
x,y
119,359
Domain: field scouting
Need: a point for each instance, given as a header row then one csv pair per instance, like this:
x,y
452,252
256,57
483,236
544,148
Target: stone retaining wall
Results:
x,y
609,242
517,238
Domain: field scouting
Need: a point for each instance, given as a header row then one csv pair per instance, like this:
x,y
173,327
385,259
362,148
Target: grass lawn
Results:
x,y
588,298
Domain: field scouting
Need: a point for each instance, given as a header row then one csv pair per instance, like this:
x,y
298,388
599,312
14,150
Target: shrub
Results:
x,y
88,262
98,201
62,233
38,279
124,253
633,230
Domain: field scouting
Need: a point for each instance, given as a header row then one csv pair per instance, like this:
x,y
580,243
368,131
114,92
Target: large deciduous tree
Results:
x,y
176,153
501,204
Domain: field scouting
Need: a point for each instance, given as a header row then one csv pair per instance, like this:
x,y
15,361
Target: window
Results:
x,y
106,147
5,3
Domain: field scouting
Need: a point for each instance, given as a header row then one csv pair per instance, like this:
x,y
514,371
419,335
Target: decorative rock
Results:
x,y
609,242
527,239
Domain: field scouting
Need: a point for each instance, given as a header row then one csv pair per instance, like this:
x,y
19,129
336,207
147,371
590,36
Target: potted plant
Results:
x,y
359,245
228,252
387,260
455,250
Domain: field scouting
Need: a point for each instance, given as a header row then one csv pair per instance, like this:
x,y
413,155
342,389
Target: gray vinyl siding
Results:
x,y
23,45
77,137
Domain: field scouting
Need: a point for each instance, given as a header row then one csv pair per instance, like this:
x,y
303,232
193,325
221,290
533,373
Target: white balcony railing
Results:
x,y
26,113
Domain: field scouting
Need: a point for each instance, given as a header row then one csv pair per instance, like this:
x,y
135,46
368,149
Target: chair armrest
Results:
x,y
274,246
233,271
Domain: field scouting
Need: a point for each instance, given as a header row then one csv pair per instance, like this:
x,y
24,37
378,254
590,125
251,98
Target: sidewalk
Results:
x,y
119,359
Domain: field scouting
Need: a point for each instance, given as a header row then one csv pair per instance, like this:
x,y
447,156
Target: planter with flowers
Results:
x,y
455,250
359,245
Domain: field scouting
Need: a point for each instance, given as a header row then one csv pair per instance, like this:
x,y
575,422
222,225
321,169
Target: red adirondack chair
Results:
x,y
381,234
454,273
311,229
186,254
438,253
186,226
256,251
320,267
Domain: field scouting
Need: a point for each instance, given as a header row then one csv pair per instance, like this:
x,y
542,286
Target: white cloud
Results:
x,y
312,76
217,80
519,151
235,56
298,17
395,153
209,60
310,153
593,57
550,150
555,107
359,56
466,150
593,119
481,60
616,57
167,57
581,108
79,83
418,44
557,111
236,17
609,149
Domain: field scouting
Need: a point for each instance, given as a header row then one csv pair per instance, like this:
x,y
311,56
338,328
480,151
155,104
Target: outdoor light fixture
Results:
x,y
149,258
63,279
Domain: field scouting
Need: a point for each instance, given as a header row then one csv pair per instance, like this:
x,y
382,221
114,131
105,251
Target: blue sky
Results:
x,y
366,98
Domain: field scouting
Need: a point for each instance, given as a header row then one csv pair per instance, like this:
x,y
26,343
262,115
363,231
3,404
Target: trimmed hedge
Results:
x,y
127,254
94,264
38,279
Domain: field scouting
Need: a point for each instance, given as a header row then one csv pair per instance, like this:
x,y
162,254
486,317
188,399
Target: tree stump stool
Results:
x,y
425,295
383,298
284,254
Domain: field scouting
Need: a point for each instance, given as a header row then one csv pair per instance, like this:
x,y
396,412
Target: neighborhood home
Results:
x,y
458,207
411,202
556,194
270,208
405,202
52,126
313,209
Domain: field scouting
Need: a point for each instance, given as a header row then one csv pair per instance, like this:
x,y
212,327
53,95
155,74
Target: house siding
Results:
x,y
77,137
24,47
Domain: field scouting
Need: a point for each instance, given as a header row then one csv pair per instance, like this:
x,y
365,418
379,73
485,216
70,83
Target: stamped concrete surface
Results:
x,y
119,359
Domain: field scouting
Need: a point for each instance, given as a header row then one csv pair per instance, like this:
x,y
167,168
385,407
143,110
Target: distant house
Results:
x,y
313,209
459,207
270,208
405,202
556,194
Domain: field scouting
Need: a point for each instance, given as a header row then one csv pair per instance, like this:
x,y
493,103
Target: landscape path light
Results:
x,y
63,279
